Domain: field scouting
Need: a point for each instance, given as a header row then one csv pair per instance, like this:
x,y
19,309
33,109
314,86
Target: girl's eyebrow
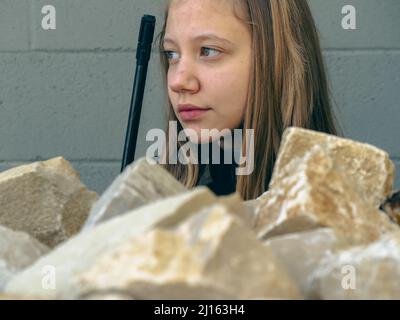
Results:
x,y
202,37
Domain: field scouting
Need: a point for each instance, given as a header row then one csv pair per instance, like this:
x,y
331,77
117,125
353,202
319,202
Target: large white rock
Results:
x,y
45,199
367,168
212,255
82,251
140,183
301,253
18,250
312,192
365,272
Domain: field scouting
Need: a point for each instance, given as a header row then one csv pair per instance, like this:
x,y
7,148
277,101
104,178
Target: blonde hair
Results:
x,y
288,88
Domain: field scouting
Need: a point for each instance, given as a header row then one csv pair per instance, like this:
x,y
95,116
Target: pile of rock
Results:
x,y
326,229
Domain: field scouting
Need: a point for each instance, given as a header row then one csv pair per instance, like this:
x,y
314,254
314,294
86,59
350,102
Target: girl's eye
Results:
x,y
169,54
208,52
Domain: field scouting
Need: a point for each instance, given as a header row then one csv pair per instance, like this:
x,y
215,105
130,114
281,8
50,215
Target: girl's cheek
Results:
x,y
220,80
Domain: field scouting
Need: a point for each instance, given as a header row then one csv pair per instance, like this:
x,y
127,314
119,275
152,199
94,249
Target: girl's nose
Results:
x,y
183,78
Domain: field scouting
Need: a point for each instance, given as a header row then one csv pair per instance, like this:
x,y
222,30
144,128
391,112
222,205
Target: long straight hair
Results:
x,y
288,87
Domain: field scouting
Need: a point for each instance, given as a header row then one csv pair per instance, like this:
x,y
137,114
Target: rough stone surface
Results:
x,y
18,250
366,272
108,295
148,237
140,183
44,199
213,255
16,297
313,192
301,253
367,168
254,205
82,251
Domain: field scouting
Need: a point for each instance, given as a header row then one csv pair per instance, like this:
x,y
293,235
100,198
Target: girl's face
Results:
x,y
209,53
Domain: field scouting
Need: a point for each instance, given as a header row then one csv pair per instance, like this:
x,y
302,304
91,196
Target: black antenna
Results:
x,y
146,35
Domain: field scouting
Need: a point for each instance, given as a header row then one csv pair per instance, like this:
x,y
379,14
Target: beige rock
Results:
x,y
108,295
368,169
15,297
18,250
213,255
44,199
311,192
302,252
367,272
392,207
255,204
140,183
82,251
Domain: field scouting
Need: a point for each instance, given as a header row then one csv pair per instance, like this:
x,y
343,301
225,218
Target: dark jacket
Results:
x,y
219,178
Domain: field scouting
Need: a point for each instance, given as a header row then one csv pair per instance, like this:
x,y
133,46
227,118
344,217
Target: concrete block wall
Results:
x,y
66,92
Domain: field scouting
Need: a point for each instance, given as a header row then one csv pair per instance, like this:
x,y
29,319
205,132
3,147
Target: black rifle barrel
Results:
x,y
143,52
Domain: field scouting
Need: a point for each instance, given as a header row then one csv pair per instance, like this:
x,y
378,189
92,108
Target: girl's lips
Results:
x,y
193,114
